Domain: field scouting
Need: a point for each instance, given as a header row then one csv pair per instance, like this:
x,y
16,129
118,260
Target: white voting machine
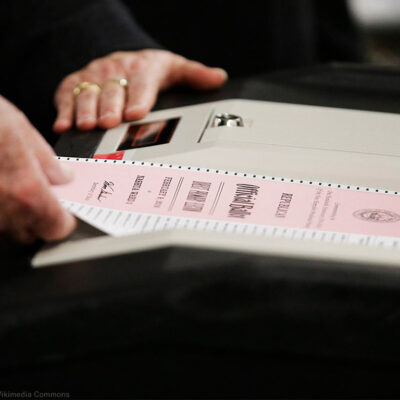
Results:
x,y
240,175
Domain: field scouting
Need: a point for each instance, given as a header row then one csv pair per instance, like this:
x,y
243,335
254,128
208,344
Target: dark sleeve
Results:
x,y
337,36
44,40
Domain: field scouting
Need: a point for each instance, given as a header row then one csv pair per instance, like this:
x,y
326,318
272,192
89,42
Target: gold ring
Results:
x,y
86,85
121,81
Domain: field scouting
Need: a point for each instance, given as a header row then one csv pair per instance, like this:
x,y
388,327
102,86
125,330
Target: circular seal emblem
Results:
x,y
381,216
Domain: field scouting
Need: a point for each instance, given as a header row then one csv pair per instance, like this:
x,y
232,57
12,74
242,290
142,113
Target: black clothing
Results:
x,y
252,36
43,41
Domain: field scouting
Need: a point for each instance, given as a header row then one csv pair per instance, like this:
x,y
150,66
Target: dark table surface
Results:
x,y
188,323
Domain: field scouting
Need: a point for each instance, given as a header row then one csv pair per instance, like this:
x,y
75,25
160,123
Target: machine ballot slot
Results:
x,y
148,134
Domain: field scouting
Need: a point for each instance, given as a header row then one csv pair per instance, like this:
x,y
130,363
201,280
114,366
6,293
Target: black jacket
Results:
x,y
252,36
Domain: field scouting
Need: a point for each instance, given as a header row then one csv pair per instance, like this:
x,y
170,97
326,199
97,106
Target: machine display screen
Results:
x,y
148,134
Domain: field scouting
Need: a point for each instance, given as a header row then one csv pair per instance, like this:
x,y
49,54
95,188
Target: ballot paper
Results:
x,y
128,197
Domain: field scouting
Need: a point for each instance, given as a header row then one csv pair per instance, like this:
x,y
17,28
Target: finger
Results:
x,y
24,237
55,172
111,104
47,220
21,236
14,224
143,89
36,210
65,114
64,100
195,75
50,224
86,108
20,233
54,223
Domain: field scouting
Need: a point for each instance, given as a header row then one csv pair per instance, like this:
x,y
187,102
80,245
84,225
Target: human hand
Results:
x,y
28,208
147,72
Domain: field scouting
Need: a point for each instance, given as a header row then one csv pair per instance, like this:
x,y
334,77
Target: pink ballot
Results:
x,y
227,197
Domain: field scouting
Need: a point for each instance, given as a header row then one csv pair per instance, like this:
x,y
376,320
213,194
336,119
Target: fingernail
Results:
x,y
223,72
84,120
134,108
136,111
71,222
108,115
61,124
62,121
67,172
59,174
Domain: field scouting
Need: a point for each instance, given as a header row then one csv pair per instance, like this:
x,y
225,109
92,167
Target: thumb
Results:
x,y
56,172
197,75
